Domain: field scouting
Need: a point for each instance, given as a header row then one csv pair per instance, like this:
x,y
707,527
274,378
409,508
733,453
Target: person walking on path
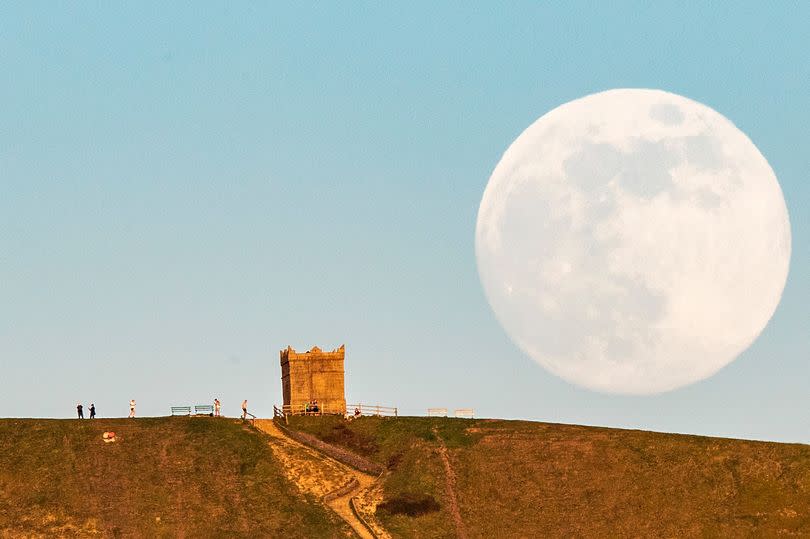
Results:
x,y
244,409
217,406
80,410
132,408
92,411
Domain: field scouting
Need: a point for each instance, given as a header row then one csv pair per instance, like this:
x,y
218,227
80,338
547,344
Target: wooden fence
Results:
x,y
301,409
373,409
278,413
351,409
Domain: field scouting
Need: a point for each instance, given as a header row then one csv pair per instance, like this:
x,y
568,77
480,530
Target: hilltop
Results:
x,y
205,477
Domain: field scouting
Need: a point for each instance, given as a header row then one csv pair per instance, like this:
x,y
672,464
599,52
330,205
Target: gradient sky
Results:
x,y
186,189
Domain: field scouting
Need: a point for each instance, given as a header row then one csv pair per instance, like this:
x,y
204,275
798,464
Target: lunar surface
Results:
x,y
633,241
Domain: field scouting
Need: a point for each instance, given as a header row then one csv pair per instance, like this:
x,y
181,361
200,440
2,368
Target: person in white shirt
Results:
x,y
132,408
244,409
217,406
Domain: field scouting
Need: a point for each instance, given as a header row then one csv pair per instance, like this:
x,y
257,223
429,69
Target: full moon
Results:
x,y
633,241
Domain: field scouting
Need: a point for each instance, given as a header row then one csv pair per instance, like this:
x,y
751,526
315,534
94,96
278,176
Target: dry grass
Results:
x,y
203,477
523,479
166,477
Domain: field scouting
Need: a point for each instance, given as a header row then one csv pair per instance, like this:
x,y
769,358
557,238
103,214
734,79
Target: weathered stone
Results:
x,y
311,376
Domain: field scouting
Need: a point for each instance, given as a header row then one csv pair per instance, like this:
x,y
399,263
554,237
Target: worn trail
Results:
x,y
450,487
315,473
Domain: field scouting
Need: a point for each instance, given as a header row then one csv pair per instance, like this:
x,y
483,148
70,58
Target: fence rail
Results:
x,y
352,409
377,410
301,409
278,413
437,412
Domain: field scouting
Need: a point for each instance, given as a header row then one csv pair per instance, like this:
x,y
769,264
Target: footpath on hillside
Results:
x,y
450,486
333,482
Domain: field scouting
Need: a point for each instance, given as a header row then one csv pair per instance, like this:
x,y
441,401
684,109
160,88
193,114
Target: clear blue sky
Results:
x,y
185,189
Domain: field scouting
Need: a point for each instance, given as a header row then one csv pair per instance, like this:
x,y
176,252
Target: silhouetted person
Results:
x,y
315,407
80,410
92,411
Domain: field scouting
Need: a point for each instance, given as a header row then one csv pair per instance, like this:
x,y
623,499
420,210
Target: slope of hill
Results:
x,y
202,477
164,477
493,478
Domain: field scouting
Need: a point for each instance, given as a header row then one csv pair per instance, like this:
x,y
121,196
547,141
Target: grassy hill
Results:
x,y
203,477
164,477
524,479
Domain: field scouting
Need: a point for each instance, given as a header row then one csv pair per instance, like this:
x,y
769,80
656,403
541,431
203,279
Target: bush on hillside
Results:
x,y
412,505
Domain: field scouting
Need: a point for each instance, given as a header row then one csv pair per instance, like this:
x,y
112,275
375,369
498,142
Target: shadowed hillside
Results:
x,y
492,478
167,477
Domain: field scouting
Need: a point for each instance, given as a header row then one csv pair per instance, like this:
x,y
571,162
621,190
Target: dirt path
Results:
x,y
450,487
315,473
342,505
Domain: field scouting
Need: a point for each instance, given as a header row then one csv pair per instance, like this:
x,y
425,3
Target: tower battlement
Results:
x,y
313,375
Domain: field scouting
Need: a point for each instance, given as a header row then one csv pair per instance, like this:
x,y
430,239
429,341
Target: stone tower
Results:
x,y
313,375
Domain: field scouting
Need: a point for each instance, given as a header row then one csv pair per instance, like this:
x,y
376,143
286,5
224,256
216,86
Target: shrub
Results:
x,y
412,505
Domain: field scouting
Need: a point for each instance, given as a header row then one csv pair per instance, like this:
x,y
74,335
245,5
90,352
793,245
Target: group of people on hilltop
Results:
x,y
80,411
313,407
217,409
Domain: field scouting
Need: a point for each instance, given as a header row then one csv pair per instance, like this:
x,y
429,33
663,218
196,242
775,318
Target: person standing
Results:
x,y
217,407
132,408
80,410
244,409
92,411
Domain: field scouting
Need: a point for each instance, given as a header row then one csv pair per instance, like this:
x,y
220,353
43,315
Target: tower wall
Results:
x,y
313,375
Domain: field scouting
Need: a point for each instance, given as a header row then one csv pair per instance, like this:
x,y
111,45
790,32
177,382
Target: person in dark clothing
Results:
x,y
80,410
92,411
